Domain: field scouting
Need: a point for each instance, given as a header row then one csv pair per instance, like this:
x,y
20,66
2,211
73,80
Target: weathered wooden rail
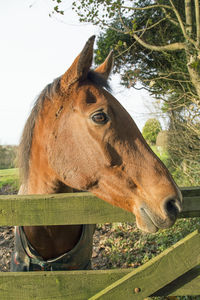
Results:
x,y
176,271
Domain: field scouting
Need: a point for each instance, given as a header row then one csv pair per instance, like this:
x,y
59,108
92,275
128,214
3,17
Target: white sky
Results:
x,y
34,50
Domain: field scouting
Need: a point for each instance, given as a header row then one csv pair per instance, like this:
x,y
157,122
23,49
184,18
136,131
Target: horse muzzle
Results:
x,y
150,222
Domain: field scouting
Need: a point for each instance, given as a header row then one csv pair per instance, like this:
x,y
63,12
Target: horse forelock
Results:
x,y
98,79
49,92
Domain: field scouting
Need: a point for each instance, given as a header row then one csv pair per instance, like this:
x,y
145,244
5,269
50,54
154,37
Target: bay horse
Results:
x,y
78,136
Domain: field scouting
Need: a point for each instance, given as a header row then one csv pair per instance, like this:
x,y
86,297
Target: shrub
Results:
x,y
7,156
151,130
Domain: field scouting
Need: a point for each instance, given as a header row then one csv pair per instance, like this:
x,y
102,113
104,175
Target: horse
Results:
x,y
79,137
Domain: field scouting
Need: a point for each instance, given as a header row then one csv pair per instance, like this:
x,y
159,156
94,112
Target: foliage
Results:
x,y
175,171
157,44
151,129
122,245
163,155
7,156
162,140
126,246
56,8
148,40
185,158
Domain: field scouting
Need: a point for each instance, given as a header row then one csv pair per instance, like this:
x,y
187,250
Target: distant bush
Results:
x,y
151,130
162,140
7,156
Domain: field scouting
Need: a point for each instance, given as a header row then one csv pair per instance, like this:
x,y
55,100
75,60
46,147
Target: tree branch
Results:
x,y
188,17
197,21
167,77
121,20
151,26
187,37
170,47
169,17
178,18
126,50
147,7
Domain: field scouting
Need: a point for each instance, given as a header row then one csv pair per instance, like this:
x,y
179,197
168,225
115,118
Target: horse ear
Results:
x,y
106,67
81,65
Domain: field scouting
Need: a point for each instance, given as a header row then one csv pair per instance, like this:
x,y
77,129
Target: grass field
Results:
x,y
9,179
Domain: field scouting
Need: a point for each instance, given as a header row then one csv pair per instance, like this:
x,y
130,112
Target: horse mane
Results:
x,y
49,92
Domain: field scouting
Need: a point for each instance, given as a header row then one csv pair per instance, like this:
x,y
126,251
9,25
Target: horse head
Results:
x,y
83,138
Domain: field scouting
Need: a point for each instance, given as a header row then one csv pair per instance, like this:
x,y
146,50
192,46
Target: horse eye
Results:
x,y
100,118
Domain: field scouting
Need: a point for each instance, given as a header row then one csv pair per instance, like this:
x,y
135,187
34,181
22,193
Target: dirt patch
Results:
x,y
6,237
6,247
7,190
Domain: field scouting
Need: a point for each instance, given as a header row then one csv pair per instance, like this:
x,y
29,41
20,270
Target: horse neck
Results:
x,y
48,241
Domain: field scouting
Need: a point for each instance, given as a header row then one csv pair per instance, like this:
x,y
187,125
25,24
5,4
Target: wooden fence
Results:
x,y
176,271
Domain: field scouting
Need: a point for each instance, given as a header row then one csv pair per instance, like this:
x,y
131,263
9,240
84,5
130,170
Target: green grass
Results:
x,y
9,178
163,155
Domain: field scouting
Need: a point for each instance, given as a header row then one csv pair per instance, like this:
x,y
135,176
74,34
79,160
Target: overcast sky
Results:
x,y
34,50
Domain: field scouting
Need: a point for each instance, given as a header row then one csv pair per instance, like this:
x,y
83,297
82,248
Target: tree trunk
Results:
x,y
194,73
193,64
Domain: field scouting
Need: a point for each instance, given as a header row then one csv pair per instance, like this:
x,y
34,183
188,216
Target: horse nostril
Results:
x,y
172,207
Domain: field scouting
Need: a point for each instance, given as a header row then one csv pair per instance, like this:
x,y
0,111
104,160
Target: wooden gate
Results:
x,y
176,271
